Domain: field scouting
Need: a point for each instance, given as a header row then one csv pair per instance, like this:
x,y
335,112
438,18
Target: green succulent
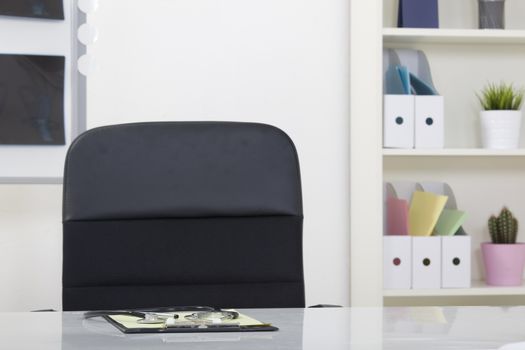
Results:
x,y
503,229
501,96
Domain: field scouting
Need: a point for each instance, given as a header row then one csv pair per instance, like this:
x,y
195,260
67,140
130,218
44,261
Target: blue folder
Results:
x,y
393,83
418,14
420,87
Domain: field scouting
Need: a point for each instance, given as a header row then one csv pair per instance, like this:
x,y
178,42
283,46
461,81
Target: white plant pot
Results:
x,y
500,129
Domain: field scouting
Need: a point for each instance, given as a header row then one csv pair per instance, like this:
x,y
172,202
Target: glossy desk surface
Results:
x,y
332,328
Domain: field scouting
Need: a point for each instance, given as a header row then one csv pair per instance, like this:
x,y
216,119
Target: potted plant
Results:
x,y
503,258
501,115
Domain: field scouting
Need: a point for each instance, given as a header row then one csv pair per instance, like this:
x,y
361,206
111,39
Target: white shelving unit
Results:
x,y
462,61
452,152
453,36
479,288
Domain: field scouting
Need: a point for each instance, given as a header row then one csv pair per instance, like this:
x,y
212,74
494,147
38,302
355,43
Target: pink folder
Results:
x,y
396,217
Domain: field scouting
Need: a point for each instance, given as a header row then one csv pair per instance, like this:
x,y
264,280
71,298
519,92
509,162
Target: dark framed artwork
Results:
x,y
42,94
50,9
32,100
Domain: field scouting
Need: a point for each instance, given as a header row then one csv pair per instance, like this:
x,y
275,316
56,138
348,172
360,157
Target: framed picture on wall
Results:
x,y
49,9
42,94
32,100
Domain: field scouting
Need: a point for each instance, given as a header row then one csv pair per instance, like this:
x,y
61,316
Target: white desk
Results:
x,y
336,328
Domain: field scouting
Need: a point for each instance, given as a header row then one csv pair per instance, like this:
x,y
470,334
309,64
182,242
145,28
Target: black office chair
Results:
x,y
182,213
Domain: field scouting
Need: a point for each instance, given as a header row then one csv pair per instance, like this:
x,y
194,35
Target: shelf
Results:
x,y
479,288
453,152
452,36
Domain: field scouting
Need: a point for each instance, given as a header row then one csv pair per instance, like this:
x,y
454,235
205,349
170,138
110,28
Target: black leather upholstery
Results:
x,y
182,213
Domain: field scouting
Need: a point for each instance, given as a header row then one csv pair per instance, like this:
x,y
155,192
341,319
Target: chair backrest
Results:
x,y
182,213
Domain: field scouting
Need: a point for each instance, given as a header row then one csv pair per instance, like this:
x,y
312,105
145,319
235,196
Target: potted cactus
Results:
x,y
501,115
503,258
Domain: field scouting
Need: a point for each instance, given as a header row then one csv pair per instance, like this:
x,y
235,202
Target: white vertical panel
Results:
x,y
365,152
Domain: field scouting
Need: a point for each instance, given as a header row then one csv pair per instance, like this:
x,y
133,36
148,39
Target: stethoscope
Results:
x,y
163,315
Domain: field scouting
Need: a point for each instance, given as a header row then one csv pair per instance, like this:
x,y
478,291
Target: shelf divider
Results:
x,y
453,152
452,36
479,288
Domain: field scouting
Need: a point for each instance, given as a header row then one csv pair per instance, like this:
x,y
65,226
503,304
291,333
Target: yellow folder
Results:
x,y
424,212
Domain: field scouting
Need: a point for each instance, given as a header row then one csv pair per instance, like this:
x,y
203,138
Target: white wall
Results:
x,y
30,215
30,247
280,62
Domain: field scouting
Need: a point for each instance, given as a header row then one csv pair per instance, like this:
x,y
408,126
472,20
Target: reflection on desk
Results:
x,y
332,328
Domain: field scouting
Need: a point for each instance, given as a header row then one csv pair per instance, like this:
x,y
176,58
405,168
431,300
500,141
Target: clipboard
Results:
x,y
128,324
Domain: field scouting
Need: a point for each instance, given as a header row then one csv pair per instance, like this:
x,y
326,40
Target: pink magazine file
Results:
x,y
397,217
